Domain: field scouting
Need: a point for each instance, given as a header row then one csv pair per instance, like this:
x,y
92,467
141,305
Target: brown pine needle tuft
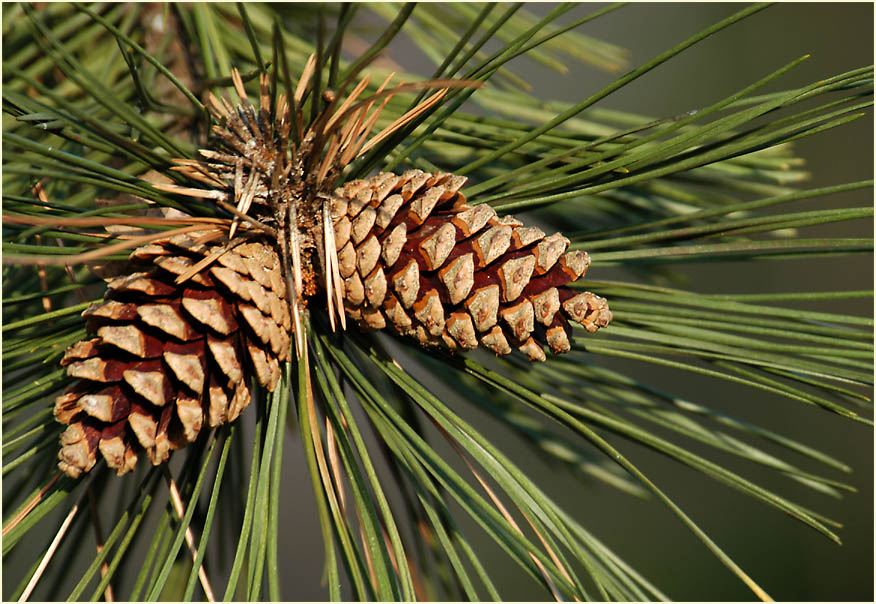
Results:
x,y
190,192
306,75
411,86
407,117
362,130
355,149
333,284
101,252
247,218
109,221
208,260
341,112
218,106
238,85
243,204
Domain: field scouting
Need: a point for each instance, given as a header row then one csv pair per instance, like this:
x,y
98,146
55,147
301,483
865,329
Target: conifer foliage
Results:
x,y
229,230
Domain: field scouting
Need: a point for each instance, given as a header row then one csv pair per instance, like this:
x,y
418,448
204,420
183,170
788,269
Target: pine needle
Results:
x,y
53,547
101,252
341,111
304,80
180,510
407,117
98,537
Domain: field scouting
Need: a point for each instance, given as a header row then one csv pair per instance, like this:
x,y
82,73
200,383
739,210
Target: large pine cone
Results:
x,y
168,358
417,258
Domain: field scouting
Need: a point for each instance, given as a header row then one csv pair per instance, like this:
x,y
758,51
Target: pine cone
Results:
x,y
416,258
169,357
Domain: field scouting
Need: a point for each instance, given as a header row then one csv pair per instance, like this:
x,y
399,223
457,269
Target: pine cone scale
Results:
x,y
112,444
97,369
167,318
393,244
130,339
82,350
188,364
209,309
149,380
457,276
108,405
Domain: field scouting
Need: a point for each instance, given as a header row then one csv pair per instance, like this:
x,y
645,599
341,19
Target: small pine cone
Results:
x,y
168,358
415,257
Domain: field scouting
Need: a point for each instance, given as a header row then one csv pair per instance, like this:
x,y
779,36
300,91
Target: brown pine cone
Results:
x,y
416,258
168,358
